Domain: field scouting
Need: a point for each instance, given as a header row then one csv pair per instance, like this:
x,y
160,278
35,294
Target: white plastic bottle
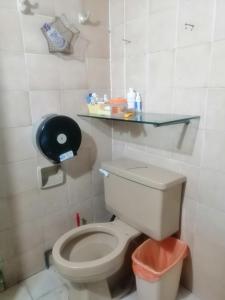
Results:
x,y
138,103
131,97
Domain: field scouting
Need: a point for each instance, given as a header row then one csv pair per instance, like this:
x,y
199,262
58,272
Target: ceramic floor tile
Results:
x,y
18,292
42,283
59,294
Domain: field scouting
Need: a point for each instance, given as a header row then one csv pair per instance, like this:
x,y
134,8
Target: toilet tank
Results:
x,y
144,196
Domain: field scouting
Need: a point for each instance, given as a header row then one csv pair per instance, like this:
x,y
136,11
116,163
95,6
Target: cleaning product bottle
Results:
x,y
138,103
2,282
131,96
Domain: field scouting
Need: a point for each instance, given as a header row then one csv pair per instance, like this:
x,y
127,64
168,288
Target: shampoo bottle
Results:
x,y
131,96
138,103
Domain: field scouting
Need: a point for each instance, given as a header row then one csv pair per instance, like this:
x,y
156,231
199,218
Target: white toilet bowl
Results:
x,y
91,254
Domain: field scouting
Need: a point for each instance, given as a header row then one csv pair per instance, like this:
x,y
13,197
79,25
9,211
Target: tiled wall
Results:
x,y
176,58
34,83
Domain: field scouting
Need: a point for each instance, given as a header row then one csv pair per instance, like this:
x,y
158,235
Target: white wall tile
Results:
x,y
117,74
214,147
99,10
137,44
73,74
198,13
215,112
135,9
117,43
43,103
12,65
161,68
34,40
12,4
15,109
116,12
43,72
20,176
159,100
98,73
218,65
45,7
162,30
219,33
11,39
16,144
192,66
156,5
136,73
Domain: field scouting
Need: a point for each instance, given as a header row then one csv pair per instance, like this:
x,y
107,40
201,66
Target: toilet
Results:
x,y
145,199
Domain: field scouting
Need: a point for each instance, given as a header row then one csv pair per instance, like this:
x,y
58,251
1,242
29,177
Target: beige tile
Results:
x,y
156,5
215,112
192,66
99,10
43,103
218,63
34,40
159,100
11,39
7,245
117,74
73,74
53,200
54,225
161,68
135,9
43,72
20,176
190,101
15,110
136,72
210,237
136,34
73,102
70,8
45,7
12,65
79,177
211,189
27,236
10,273
30,262
25,207
162,30
117,46
85,209
214,147
116,12
189,13
98,74
17,144
5,220
8,4
219,33
100,212
98,37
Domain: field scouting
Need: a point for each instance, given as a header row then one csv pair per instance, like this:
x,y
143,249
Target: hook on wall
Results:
x,y
26,7
85,19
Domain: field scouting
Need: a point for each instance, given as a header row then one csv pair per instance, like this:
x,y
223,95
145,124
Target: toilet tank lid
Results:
x,y
142,173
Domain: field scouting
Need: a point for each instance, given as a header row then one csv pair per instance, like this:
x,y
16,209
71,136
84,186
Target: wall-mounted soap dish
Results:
x,y
50,176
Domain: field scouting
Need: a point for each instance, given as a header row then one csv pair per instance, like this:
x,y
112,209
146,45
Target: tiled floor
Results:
x,y
48,285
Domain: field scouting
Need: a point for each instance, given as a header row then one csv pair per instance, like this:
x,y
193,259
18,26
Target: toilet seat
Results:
x,y
76,254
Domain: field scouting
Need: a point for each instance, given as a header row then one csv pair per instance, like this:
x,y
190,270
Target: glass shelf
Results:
x,y
154,119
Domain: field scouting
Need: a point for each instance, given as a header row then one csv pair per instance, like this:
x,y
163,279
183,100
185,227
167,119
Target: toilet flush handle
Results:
x,y
104,172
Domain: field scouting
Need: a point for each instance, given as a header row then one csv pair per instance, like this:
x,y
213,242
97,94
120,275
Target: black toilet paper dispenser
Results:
x,y
57,137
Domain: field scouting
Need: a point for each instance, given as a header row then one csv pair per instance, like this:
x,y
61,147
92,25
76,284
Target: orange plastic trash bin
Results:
x,y
157,267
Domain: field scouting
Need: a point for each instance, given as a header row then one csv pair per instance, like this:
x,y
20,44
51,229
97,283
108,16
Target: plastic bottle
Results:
x,y
131,96
138,103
